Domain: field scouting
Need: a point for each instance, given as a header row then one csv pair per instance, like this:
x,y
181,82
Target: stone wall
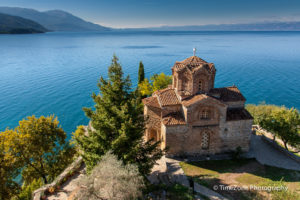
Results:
x,y
38,194
236,134
185,140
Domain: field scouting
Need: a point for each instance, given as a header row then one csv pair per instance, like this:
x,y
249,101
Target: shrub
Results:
x,y
112,180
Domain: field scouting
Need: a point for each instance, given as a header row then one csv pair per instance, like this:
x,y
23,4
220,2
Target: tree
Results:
x,y
141,73
117,124
110,179
40,146
285,124
157,82
9,167
282,122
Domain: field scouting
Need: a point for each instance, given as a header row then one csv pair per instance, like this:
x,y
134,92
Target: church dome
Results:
x,y
193,63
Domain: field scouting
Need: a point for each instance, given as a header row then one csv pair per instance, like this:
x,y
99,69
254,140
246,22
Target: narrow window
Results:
x,y
200,86
205,140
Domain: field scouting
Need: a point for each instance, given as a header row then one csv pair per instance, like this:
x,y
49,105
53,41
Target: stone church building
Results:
x,y
191,117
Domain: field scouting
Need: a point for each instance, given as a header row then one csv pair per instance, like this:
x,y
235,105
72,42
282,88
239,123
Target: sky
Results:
x,y
153,13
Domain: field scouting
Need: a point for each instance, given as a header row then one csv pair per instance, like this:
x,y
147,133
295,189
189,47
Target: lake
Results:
x,y
56,73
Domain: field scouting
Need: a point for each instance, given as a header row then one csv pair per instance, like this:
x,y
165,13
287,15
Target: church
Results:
x,y
192,118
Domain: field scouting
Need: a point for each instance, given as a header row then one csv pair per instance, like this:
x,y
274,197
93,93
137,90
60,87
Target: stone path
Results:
x,y
68,187
268,155
172,169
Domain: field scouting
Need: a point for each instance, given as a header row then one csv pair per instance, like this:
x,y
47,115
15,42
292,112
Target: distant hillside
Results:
x,y
18,25
267,26
54,20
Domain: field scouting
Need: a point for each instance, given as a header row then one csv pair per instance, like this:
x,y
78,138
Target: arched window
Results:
x,y
200,85
205,140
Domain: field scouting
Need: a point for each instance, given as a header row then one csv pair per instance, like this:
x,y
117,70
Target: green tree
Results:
x,y
279,120
157,82
117,124
141,73
261,111
28,189
285,124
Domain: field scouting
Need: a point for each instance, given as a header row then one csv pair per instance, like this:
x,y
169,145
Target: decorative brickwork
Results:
x,y
191,117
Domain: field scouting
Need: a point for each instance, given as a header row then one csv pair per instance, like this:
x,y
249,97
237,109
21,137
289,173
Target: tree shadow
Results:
x,y
231,186
250,166
226,190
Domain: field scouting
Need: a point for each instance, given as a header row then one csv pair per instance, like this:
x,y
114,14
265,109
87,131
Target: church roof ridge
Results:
x,y
195,60
193,63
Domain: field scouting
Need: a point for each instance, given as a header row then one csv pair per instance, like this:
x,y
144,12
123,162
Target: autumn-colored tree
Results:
x,y
10,167
117,124
37,149
157,82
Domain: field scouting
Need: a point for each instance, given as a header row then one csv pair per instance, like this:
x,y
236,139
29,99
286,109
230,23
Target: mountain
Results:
x,y
18,25
265,26
54,20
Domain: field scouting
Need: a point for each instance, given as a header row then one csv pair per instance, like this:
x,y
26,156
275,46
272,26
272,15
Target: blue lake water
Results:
x,y
56,73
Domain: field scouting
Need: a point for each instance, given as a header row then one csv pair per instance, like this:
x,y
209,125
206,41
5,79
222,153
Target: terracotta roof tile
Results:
x,y
227,94
193,99
151,101
175,118
193,63
193,60
167,97
238,114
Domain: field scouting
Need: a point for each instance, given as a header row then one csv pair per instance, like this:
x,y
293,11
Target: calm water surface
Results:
x,y
55,73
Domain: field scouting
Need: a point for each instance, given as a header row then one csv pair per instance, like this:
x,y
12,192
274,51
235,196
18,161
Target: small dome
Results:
x,y
193,63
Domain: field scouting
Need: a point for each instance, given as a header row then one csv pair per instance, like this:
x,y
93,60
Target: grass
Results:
x,y
245,172
173,192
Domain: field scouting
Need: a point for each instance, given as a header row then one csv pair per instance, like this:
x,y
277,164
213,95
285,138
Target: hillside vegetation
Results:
x,y
17,25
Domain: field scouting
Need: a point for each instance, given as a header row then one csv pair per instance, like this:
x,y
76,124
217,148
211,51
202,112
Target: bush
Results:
x,y
27,190
112,180
237,153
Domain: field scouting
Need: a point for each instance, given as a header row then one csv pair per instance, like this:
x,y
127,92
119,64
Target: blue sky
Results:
x,y
145,13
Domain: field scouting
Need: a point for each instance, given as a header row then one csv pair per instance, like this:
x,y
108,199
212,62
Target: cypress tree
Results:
x,y
118,124
141,73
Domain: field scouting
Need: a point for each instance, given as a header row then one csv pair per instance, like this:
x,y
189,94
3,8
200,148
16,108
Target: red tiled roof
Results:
x,y
167,97
193,99
193,63
193,60
151,101
175,118
227,94
238,114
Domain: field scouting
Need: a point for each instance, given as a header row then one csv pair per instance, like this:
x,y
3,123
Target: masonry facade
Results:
x,y
192,118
